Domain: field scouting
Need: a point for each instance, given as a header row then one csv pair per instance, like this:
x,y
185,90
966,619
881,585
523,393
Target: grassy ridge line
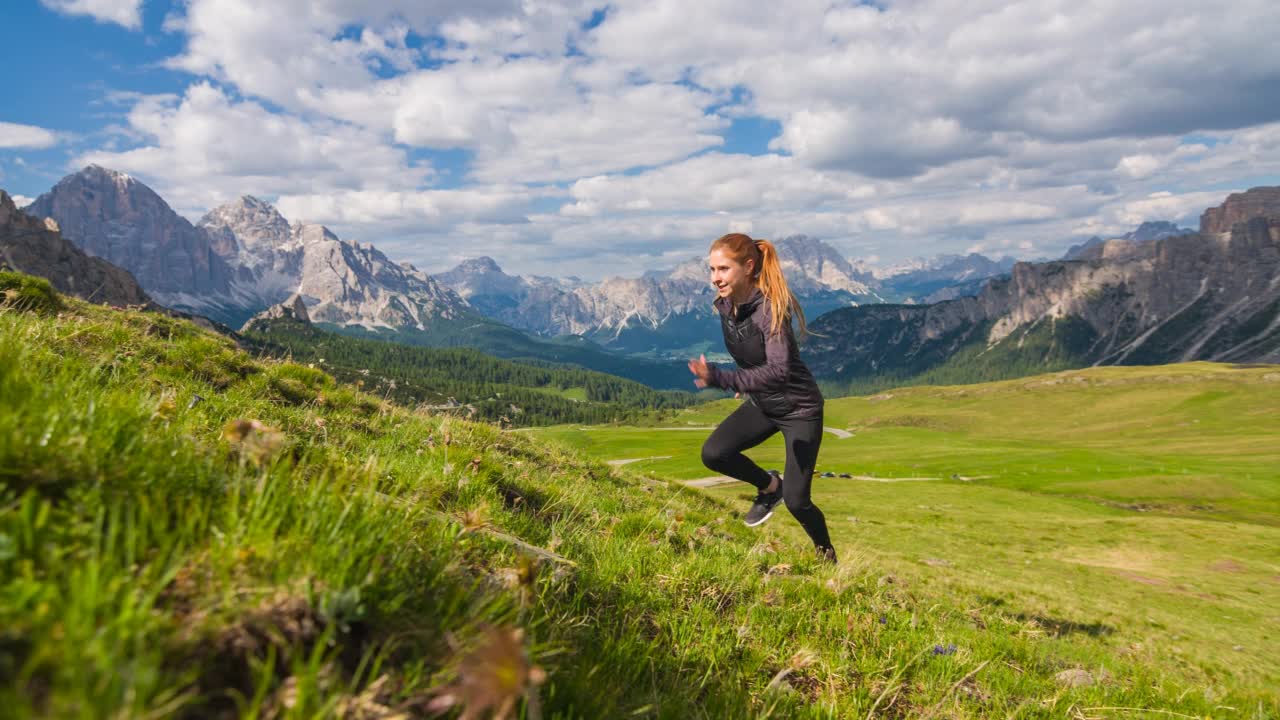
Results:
x,y
154,563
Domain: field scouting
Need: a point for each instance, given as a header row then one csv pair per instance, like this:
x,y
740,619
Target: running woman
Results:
x,y
756,309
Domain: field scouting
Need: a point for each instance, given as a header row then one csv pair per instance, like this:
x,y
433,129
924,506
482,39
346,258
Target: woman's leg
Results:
x,y
745,428
803,438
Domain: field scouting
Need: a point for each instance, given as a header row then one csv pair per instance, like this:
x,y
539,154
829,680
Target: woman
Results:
x,y
756,308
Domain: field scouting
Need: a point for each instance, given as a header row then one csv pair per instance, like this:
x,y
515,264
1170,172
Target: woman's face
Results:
x,y
728,276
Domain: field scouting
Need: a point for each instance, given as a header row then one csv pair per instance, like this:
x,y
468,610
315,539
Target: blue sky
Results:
x,y
579,138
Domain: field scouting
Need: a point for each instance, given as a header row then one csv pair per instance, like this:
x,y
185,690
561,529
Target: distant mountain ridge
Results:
x,y
1211,295
668,312
1150,230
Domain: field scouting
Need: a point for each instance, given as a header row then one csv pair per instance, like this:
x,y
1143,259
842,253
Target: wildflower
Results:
x,y
492,678
473,520
256,441
950,649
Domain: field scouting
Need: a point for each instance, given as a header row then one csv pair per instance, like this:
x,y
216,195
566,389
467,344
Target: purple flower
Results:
x,y
950,649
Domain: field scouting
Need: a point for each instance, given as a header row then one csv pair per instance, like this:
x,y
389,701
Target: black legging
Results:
x,y
746,428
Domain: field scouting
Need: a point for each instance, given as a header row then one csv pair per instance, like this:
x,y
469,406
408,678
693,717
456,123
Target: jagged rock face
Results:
x,y
811,264
345,283
1180,298
112,216
1241,207
256,239
35,246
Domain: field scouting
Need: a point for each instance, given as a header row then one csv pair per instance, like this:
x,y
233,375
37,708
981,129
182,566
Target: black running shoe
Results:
x,y
762,508
826,554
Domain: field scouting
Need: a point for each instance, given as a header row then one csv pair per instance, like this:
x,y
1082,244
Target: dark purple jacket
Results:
x,y
771,372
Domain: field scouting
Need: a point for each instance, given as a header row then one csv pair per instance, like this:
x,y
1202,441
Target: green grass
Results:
x,y
1139,506
186,531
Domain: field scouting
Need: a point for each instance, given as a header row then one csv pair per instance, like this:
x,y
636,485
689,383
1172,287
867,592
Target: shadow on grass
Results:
x,y
1060,627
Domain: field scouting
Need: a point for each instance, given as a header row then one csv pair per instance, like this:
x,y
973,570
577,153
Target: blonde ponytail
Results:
x,y
776,292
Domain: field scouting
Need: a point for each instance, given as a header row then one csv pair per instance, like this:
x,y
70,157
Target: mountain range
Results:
x,y
1207,295
1158,294
668,312
245,256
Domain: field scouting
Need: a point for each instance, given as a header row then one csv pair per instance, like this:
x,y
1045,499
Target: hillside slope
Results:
x,y
187,532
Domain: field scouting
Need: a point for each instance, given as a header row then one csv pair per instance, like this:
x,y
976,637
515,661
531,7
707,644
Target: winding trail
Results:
x,y
627,461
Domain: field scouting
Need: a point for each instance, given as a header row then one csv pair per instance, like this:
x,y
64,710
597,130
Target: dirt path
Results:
x,y
715,480
628,461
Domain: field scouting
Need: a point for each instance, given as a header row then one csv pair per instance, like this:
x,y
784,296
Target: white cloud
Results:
x,y
917,127
1138,166
206,148
1181,207
121,12
425,211
14,135
22,200
716,182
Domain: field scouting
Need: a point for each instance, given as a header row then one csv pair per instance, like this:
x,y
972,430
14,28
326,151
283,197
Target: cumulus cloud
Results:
x,y
206,147
14,135
901,128
127,13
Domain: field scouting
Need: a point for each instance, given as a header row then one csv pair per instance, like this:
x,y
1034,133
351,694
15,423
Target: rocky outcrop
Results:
x,y
292,309
1200,296
36,247
1241,207
112,216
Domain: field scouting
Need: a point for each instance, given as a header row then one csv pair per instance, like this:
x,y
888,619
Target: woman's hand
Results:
x,y
701,370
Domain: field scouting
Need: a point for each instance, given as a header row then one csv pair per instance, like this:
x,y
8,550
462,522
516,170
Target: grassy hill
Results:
x,y
187,531
499,390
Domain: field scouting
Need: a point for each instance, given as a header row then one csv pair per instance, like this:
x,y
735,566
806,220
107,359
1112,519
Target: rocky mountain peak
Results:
x,y
247,223
820,264
113,216
1155,230
1240,207
308,233
482,264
